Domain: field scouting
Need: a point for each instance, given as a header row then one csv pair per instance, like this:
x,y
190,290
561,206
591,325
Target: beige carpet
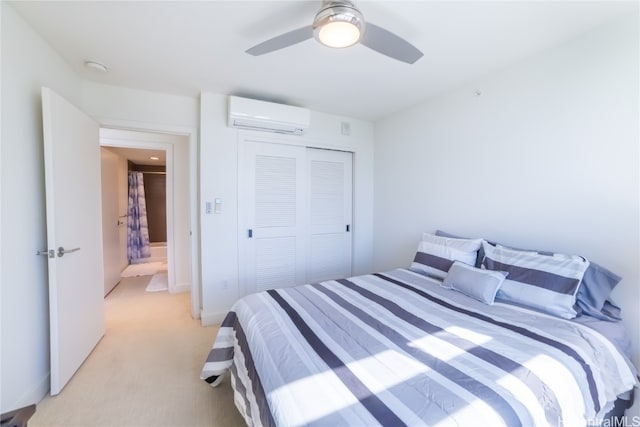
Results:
x,y
145,371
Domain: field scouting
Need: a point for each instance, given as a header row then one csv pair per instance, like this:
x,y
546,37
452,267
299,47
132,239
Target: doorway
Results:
x,y
162,162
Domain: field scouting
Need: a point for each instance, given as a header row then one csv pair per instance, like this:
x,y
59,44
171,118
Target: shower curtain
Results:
x,y
138,246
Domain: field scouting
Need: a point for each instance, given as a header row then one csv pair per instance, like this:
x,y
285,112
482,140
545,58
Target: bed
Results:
x,y
399,348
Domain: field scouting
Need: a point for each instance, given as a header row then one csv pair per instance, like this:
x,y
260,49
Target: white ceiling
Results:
x,y
141,156
184,47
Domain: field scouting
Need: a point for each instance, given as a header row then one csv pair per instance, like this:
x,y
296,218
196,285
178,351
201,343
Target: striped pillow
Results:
x,y
548,283
436,254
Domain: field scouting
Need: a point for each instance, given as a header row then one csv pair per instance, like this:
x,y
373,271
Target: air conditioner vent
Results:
x,y
265,116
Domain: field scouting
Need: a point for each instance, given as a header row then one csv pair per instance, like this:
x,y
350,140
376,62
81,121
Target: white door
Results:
x,y
295,210
74,235
272,203
329,211
112,224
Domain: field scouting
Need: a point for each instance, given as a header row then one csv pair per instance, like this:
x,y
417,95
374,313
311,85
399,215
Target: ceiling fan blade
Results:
x,y
282,41
387,43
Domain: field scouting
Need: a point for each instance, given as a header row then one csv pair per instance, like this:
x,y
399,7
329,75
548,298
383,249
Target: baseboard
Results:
x,y
35,395
211,319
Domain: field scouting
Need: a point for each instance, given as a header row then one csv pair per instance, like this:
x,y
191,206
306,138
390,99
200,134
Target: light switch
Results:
x,y
345,128
217,203
207,208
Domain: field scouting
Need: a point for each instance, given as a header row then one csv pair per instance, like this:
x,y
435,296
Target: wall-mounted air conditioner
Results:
x,y
265,116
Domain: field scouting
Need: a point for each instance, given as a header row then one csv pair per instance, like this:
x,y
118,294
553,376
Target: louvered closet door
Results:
x,y
272,240
330,179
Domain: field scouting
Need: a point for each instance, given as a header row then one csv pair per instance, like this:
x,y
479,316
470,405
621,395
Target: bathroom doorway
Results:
x,y
144,225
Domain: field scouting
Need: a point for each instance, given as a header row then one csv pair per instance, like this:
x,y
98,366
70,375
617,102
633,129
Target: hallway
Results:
x,y
145,370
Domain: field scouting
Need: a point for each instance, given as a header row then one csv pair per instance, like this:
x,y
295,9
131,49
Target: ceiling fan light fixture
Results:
x,y
339,34
338,25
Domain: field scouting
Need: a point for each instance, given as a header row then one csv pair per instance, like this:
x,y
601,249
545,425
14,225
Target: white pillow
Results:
x,y
545,282
436,254
474,282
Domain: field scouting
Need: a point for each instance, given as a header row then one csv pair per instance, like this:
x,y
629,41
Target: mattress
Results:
x,y
395,348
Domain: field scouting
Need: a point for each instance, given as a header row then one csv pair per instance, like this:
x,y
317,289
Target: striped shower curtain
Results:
x,y
138,230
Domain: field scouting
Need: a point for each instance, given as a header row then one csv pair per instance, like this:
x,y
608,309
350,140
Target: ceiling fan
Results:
x,y
339,24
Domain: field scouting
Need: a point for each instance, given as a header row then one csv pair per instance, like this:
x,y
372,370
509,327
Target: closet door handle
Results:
x,y
348,228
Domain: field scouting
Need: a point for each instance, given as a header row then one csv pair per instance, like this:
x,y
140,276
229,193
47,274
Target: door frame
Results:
x,y
194,226
167,147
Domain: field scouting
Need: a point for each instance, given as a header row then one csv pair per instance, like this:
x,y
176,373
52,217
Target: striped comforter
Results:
x,y
397,349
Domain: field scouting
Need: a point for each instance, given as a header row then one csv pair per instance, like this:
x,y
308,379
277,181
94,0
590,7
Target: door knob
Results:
x,y
62,251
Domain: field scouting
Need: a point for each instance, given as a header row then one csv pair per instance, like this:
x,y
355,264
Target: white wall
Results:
x,y
547,157
108,103
139,110
27,64
219,179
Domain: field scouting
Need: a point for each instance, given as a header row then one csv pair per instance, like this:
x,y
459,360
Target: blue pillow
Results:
x,y
474,282
611,310
597,284
545,282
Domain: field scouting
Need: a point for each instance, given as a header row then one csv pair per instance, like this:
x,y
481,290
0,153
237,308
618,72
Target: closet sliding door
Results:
x,y
272,209
329,214
295,207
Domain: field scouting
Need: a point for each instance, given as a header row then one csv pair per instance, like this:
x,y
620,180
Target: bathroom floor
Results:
x,y
144,269
156,270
